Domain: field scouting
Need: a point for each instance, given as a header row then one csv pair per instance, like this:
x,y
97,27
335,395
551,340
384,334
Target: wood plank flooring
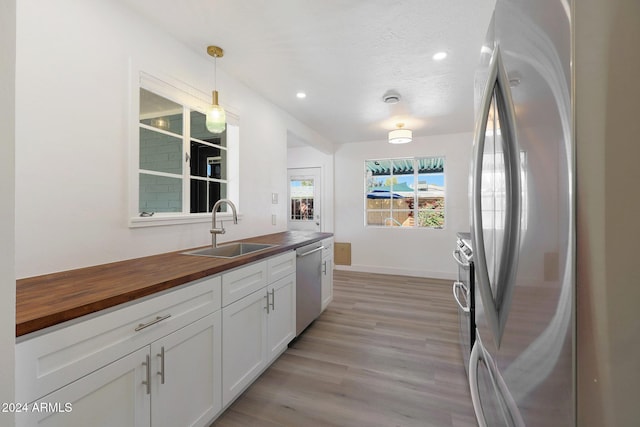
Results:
x,y
384,353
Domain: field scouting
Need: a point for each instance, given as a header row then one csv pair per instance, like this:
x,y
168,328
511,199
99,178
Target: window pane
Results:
x,y
159,194
301,191
430,218
160,152
199,130
395,185
205,193
207,161
160,112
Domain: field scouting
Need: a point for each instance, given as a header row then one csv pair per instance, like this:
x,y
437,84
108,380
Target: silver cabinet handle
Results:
x,y
456,287
310,252
141,326
273,299
147,383
161,371
456,256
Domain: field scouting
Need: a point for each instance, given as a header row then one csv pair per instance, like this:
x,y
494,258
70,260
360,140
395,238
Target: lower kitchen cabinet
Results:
x,y
327,273
281,316
174,381
243,342
112,396
256,330
186,369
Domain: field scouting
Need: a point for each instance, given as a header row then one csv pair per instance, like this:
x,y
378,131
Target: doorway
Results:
x,y
304,196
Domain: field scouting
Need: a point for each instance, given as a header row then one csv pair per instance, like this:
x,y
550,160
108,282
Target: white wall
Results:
x,y
7,192
309,157
397,250
607,61
73,95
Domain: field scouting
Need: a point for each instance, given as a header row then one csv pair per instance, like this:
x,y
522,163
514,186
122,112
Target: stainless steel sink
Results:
x,y
231,250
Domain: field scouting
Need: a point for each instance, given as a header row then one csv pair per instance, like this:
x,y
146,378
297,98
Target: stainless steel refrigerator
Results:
x,y
522,219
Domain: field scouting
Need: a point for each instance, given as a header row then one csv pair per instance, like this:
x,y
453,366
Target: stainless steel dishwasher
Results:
x,y
308,285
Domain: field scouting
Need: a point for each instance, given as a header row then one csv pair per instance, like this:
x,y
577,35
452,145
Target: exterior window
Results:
x,y
408,192
302,195
183,168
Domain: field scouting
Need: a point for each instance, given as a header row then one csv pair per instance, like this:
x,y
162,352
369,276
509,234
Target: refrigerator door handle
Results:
x,y
497,305
504,400
474,361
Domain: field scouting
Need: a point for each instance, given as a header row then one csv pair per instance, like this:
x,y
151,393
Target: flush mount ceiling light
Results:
x,y
301,95
216,117
440,56
400,135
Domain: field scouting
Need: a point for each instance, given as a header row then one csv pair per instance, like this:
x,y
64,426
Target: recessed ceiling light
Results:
x,y
301,95
440,56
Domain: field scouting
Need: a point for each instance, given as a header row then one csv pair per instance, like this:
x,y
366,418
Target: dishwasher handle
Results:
x,y
310,252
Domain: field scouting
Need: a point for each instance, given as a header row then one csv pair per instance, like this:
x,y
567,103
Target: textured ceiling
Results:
x,y
345,54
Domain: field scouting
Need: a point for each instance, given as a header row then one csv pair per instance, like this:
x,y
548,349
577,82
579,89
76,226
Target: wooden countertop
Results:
x,y
50,299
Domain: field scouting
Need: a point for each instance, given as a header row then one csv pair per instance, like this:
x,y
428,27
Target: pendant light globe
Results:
x,y
216,120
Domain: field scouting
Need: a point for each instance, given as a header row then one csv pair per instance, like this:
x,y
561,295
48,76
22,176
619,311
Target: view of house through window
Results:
x,y
407,192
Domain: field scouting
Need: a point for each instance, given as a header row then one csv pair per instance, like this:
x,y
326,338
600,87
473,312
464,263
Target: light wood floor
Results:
x,y
384,353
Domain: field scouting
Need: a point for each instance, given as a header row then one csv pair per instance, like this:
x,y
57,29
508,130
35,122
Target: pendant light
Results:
x,y
216,117
400,135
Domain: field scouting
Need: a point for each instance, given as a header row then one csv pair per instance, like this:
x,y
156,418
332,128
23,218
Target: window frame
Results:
x,y
416,195
190,100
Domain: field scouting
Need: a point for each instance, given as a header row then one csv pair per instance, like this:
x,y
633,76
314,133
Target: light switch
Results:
x,y
274,198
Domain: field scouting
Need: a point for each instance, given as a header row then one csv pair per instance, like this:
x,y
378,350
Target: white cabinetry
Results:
x,y
112,396
256,327
327,272
129,367
186,368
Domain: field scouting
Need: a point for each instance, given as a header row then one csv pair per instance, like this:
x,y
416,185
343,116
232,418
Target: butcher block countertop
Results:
x,y
48,300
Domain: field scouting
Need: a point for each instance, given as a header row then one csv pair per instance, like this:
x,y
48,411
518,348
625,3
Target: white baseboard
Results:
x,y
444,275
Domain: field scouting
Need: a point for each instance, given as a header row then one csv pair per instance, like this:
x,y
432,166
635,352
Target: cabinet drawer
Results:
x,y
243,281
281,266
53,359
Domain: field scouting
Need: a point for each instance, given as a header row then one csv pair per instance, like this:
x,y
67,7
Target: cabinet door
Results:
x,y
186,370
327,281
244,334
281,317
113,396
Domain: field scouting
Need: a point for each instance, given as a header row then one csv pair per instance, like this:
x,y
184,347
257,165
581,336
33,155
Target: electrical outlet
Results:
x,y
273,219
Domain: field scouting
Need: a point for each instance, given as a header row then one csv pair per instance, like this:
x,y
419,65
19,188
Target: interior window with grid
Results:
x,y
407,192
182,166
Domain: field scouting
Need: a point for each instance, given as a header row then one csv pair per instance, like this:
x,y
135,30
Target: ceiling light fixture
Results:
x,y
301,95
440,56
216,117
400,135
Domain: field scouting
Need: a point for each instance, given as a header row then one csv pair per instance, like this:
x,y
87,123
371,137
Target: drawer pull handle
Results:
x,y
273,299
148,369
141,326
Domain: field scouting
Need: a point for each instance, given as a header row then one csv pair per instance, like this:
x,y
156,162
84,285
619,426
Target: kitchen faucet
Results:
x,y
215,231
